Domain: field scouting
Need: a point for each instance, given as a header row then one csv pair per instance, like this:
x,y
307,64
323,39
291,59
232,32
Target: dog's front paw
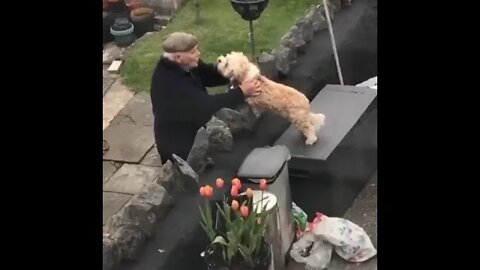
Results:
x,y
311,140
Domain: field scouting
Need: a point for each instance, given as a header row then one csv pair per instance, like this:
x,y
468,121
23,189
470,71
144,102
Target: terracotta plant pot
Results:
x,y
143,19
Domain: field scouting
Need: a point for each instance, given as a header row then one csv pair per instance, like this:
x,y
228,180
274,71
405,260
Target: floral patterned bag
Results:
x,y
314,248
351,242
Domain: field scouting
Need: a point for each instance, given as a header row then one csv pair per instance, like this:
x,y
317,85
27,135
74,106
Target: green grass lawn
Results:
x,y
221,30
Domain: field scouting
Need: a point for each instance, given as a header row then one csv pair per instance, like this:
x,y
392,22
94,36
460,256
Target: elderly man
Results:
x,y
181,104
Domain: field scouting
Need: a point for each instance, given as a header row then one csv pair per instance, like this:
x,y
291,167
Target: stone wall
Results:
x,y
280,59
128,230
278,62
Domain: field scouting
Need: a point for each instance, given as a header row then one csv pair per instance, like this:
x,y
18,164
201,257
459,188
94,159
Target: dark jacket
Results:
x,y
181,104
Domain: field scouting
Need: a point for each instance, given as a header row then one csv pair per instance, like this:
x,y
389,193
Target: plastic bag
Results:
x,y
301,220
324,234
315,253
351,242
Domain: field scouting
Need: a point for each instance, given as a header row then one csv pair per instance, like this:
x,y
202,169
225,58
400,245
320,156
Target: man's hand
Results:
x,y
251,88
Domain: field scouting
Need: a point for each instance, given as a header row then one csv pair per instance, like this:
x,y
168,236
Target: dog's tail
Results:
x,y
317,120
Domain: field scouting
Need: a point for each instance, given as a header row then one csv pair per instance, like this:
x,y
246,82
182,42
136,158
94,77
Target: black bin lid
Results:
x,y
264,162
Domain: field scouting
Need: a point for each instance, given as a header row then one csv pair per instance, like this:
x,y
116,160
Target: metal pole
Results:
x,y
252,41
332,39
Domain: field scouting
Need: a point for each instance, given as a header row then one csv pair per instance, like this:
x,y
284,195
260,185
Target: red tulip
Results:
x,y
244,211
263,184
236,182
219,182
235,205
208,191
234,191
249,193
202,191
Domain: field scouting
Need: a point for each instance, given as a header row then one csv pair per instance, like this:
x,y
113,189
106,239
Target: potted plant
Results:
x,y
236,228
143,19
122,31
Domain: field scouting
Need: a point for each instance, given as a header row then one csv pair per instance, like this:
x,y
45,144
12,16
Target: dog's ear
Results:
x,y
228,71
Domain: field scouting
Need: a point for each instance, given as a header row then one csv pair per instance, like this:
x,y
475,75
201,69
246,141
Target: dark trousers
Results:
x,y
174,140
166,155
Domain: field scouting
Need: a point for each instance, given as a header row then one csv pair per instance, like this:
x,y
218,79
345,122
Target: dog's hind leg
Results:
x,y
307,129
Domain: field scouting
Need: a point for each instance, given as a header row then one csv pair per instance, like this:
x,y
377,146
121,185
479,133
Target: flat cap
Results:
x,y
179,42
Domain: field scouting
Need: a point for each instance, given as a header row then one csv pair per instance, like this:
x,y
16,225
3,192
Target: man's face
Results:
x,y
188,59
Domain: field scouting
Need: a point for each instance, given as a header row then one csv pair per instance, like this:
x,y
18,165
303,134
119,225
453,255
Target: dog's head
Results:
x,y
234,65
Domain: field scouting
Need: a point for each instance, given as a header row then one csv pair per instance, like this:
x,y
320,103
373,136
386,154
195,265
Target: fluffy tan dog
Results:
x,y
281,99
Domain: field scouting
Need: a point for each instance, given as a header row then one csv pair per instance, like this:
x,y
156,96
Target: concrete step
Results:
x,y
115,96
130,134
